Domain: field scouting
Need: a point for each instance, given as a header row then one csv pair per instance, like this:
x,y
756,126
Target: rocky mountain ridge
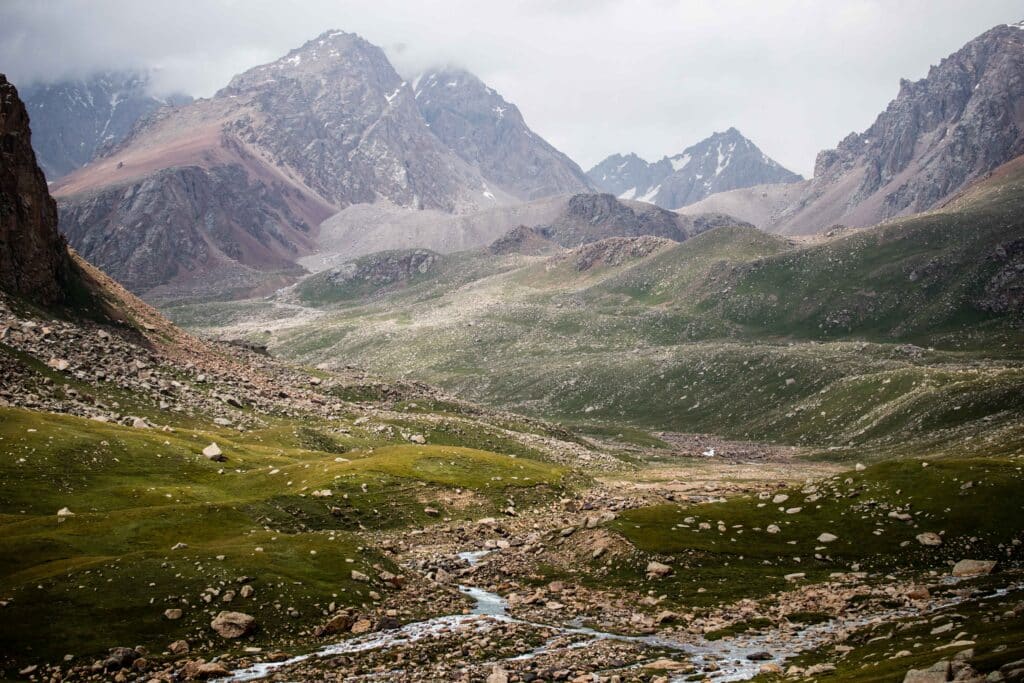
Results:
x,y
724,161
490,133
75,120
940,133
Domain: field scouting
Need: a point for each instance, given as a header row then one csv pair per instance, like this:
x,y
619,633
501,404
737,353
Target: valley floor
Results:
x,y
390,530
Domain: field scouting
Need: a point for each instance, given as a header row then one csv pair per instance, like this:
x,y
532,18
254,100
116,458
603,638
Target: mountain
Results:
x,y
724,161
73,120
34,262
489,132
226,193
960,122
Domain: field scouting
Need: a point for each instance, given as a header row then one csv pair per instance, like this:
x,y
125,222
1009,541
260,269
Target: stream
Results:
x,y
730,655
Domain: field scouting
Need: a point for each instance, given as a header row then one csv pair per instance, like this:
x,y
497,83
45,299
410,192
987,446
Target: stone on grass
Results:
x,y
658,569
929,538
827,538
233,624
214,453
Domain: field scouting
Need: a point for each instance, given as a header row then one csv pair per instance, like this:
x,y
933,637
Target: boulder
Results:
x,y
214,453
361,626
339,623
658,569
233,624
936,673
973,567
929,538
827,538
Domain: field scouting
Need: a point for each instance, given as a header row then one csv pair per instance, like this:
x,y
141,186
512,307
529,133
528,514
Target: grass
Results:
x,y
137,493
734,332
734,556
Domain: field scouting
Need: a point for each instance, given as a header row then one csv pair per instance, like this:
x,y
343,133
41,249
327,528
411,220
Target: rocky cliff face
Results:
x,y
73,120
724,161
488,132
34,262
941,133
961,121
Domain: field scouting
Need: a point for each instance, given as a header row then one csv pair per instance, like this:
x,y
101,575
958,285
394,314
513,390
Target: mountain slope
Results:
x,y
960,122
74,120
488,132
721,162
705,335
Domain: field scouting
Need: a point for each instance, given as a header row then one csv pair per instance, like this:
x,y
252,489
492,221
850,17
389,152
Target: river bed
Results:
x,y
490,609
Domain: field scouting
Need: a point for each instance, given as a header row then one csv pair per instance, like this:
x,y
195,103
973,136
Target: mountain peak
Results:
x,y
722,161
489,132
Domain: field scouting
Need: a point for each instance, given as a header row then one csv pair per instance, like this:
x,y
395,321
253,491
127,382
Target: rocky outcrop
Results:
x,y
614,251
34,262
73,120
724,161
488,132
385,268
523,240
592,217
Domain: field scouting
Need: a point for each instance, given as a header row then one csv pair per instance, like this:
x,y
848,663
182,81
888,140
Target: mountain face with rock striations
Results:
x,y
74,120
34,262
488,132
724,161
227,189
960,122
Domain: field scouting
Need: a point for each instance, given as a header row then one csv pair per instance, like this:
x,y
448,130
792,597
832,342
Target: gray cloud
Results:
x,y
593,77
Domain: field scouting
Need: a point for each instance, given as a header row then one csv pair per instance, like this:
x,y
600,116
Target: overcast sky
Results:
x,y
594,77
